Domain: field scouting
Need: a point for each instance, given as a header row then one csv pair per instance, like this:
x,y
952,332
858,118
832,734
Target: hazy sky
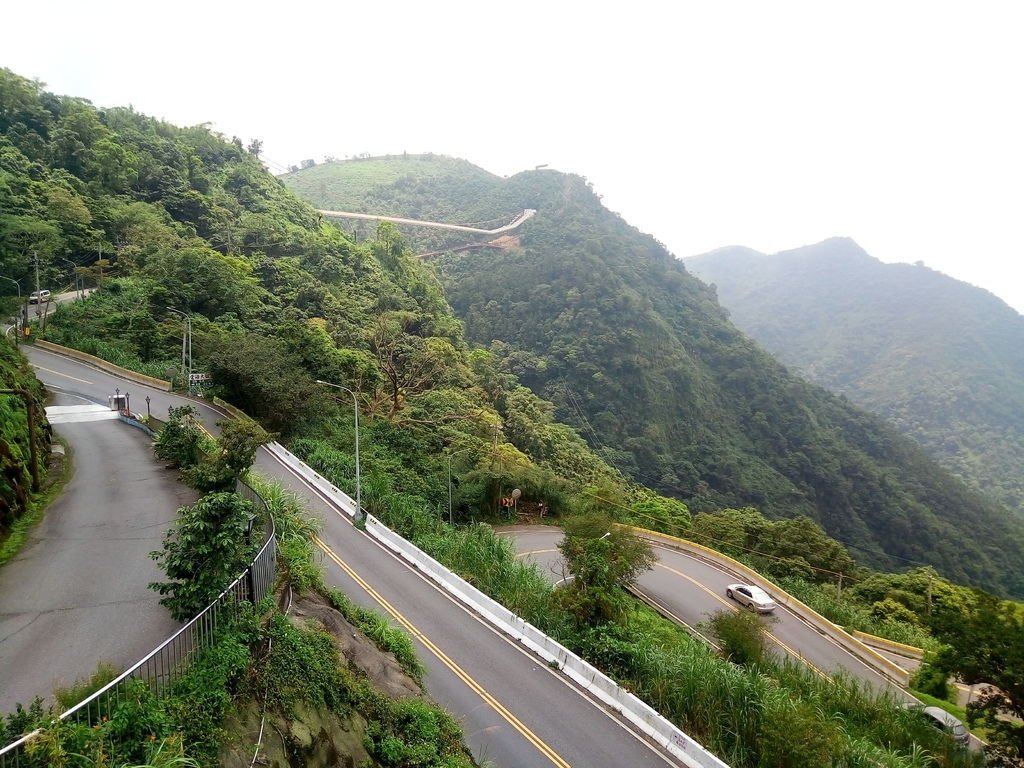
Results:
x,y
766,124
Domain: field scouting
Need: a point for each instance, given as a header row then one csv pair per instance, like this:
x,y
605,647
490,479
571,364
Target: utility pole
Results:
x,y
35,258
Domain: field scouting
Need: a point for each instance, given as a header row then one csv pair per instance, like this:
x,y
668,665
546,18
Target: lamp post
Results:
x,y
450,455
355,409
74,274
188,330
18,286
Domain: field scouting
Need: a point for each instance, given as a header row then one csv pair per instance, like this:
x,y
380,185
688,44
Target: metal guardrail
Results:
x,y
165,663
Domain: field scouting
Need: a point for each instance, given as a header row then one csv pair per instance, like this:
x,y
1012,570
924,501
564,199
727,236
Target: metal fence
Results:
x,y
162,666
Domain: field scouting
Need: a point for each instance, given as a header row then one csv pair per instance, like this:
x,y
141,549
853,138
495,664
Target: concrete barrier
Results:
x,y
603,688
103,365
860,650
884,643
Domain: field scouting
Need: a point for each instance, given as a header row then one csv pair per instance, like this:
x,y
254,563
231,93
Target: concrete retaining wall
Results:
x,y
103,365
892,646
644,717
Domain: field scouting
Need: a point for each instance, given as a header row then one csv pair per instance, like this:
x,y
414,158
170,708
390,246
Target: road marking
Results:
x,y
735,607
534,552
511,719
727,603
58,373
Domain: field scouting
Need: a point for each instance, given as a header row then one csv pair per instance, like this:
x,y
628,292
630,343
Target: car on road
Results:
x,y
38,297
749,596
944,721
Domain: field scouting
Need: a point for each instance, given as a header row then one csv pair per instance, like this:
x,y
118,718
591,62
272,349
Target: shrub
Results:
x,y
740,635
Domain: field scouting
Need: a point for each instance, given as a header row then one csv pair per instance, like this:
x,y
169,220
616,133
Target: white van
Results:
x,y
38,297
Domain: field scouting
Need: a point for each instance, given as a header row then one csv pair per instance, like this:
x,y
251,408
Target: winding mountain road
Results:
x,y
514,709
690,589
528,213
77,594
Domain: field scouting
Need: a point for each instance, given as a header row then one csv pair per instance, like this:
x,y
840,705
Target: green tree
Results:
x,y
235,452
603,559
204,550
180,441
987,647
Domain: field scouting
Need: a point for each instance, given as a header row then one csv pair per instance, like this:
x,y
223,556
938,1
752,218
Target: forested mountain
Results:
x,y
940,359
639,356
167,220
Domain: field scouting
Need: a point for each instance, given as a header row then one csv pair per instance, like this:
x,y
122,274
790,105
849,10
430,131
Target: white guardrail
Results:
x,y
599,685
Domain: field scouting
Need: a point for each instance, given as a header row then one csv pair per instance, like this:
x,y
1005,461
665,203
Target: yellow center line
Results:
x,y
58,373
535,552
497,706
735,607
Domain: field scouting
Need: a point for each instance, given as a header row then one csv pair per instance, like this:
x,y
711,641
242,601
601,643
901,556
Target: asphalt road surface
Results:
x,y
690,590
514,710
76,595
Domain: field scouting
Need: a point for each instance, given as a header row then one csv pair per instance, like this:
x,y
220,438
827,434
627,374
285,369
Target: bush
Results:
x,y
202,553
740,635
180,441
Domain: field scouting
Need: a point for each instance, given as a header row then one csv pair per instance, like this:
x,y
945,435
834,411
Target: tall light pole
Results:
x,y
74,274
188,331
355,409
18,286
450,455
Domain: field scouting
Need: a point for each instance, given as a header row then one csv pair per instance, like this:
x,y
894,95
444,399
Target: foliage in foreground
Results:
x,y
203,552
771,714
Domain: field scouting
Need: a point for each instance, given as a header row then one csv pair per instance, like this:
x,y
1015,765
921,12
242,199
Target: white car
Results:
x,y
944,721
754,598
38,297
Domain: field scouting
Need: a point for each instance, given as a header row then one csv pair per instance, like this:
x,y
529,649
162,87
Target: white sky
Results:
x,y
766,124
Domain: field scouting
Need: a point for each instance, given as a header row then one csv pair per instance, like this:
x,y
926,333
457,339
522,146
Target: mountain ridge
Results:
x,y
639,356
941,359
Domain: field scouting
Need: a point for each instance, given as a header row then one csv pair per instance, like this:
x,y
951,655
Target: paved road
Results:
x,y
515,711
526,214
77,593
691,590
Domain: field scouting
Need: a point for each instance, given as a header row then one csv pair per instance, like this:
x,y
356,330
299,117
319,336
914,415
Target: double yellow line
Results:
x,y
460,673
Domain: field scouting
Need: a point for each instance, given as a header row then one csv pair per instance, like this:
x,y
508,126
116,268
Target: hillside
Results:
x,y
15,451
940,359
638,355
188,221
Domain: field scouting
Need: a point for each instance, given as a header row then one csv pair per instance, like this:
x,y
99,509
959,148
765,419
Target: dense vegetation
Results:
x,y
279,299
767,713
941,360
15,451
638,355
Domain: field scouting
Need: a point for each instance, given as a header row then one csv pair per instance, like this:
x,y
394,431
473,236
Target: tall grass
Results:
x,y
762,716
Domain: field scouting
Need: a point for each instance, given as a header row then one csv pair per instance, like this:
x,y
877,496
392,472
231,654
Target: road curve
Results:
x,y
526,214
515,711
690,590
77,594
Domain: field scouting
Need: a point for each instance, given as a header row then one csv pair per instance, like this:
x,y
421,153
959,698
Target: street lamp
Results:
x,y
18,286
450,455
355,409
188,326
74,274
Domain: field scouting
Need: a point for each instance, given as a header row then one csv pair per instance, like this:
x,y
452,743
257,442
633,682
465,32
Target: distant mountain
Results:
x,y
940,359
636,353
